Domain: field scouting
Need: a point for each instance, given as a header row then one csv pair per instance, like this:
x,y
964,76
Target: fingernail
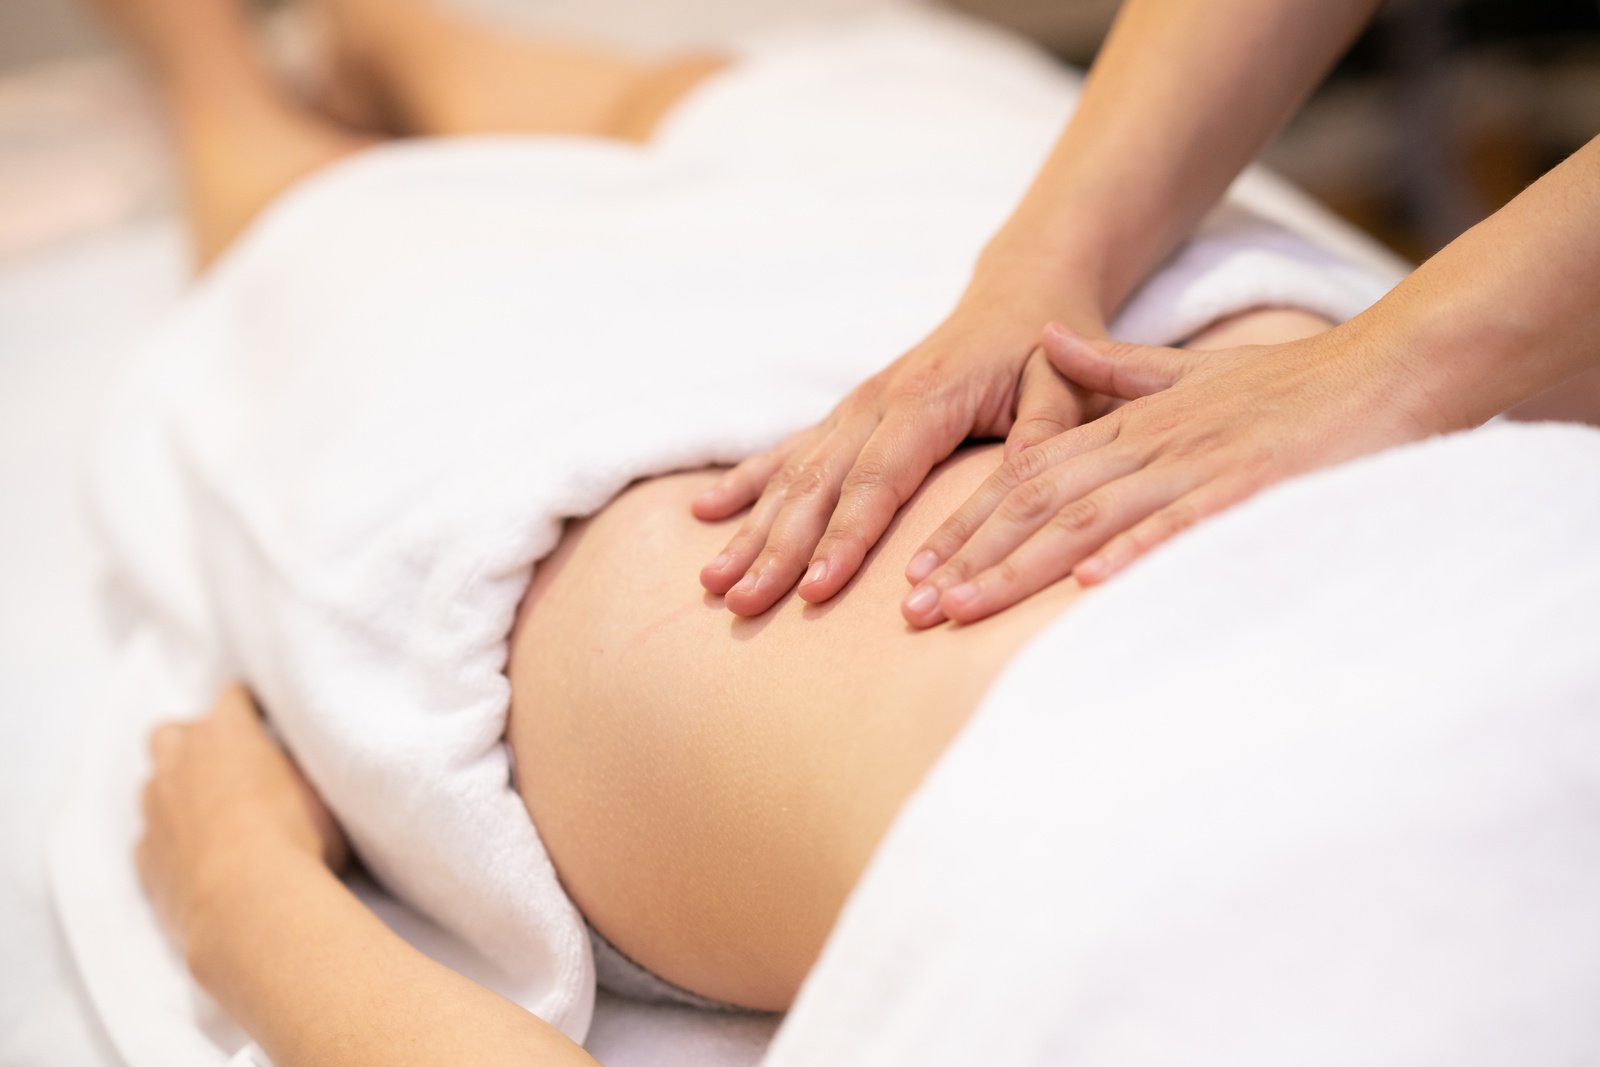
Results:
x,y
747,584
922,599
922,565
721,561
961,595
816,572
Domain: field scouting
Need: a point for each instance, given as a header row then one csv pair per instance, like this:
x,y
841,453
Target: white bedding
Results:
x,y
312,486
55,648
1314,785
54,361
869,1004
269,466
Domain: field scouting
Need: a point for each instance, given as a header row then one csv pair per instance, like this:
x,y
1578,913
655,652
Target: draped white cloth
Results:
x,y
336,466
1314,785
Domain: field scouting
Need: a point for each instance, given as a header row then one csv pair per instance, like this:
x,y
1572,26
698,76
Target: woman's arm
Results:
x,y
1182,96
236,857
1507,310
317,978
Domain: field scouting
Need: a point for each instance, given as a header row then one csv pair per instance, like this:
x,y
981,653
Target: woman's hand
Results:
x,y
1205,430
824,497
236,857
222,797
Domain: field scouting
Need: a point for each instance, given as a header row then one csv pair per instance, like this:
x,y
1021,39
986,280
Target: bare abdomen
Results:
x,y
711,788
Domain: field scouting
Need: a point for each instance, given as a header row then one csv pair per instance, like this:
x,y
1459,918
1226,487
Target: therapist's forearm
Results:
x,y
1505,311
1182,97
317,978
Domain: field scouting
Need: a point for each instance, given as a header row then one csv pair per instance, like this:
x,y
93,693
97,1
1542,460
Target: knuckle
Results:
x,y
1036,428
1156,414
1031,502
1007,575
944,541
919,381
1022,466
1191,445
782,477
1252,471
810,479
869,475
1080,515
955,414
1139,408
843,541
1175,519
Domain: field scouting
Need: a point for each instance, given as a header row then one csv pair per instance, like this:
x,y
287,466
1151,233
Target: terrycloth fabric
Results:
x,y
335,469
1314,785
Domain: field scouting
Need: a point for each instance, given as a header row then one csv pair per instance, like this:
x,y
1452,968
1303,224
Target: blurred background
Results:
x,y
1441,113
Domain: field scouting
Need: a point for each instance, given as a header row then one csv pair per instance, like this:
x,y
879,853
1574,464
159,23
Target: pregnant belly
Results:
x,y
711,788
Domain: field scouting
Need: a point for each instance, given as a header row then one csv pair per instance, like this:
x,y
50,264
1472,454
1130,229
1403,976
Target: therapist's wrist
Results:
x,y
1449,368
1080,242
1052,284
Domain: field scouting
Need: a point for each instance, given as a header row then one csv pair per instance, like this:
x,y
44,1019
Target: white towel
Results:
x,y
1315,785
336,467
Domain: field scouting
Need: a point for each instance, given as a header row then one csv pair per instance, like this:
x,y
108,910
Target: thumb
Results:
x,y
1115,368
1047,405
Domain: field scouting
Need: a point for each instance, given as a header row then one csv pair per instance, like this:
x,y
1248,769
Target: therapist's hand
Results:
x,y
1204,431
823,497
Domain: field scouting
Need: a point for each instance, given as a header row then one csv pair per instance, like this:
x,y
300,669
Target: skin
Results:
x,y
399,68
709,789
1503,313
708,792
241,858
313,975
1181,98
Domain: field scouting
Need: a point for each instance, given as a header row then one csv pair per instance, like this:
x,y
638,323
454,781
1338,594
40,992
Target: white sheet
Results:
x,y
54,361
342,501
55,649
1315,785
